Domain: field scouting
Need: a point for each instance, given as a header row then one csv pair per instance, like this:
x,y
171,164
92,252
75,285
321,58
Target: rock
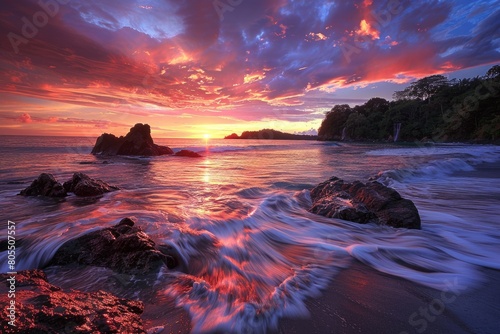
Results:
x,y
137,142
187,153
232,136
124,248
82,185
364,203
45,185
44,308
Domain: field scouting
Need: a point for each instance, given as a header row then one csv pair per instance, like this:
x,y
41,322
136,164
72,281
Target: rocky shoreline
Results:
x,y
44,308
41,307
126,249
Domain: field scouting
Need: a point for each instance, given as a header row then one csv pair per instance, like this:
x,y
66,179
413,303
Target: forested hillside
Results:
x,y
432,108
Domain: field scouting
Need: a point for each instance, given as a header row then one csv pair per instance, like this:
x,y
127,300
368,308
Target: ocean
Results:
x,y
251,253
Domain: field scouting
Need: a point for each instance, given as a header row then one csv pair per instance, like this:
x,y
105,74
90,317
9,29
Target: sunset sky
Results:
x,y
195,67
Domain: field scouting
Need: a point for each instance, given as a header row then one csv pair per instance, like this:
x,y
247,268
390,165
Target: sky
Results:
x,y
195,67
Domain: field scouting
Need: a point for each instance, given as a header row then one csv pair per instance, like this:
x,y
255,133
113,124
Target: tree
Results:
x,y
357,126
494,72
423,89
333,124
376,104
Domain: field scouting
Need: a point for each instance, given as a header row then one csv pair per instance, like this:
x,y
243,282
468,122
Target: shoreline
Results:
x,y
362,300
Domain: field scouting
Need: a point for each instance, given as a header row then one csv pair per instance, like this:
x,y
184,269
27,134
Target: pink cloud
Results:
x,y
25,118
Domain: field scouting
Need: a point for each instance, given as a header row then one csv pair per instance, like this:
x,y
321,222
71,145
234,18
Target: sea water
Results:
x,y
238,217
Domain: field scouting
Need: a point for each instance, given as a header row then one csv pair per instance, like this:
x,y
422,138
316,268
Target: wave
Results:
x,y
438,151
439,166
243,271
243,275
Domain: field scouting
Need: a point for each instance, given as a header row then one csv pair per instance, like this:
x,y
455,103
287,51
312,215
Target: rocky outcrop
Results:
x,y
137,142
364,203
124,248
45,185
82,185
187,153
232,136
41,307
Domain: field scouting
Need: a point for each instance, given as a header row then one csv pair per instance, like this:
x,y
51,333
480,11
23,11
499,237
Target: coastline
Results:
x,y
363,300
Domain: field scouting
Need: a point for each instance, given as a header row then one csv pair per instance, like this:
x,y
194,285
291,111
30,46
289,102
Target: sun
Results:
x,y
206,136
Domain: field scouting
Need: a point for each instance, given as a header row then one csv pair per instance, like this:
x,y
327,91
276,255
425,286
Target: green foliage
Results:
x,y
423,89
431,108
493,72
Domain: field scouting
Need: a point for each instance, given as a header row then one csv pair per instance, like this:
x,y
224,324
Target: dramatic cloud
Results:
x,y
237,60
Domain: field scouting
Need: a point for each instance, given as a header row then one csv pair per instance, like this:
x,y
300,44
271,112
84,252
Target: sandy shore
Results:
x,y
363,300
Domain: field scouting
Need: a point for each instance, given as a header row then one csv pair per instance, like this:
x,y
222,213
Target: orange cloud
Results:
x,y
365,29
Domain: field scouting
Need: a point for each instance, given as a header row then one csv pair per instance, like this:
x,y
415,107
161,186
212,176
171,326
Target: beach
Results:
x,y
363,300
252,258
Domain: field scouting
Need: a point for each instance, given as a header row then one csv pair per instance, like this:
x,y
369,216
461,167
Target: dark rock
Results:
x,y
44,308
124,248
187,153
232,136
82,185
137,142
364,203
45,185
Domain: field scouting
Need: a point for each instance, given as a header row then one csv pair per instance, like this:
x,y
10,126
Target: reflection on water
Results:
x,y
238,217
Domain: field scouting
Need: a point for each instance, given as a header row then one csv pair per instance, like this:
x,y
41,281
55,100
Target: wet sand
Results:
x,y
363,300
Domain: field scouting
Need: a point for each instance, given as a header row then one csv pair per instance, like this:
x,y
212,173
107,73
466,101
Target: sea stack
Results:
x,y
137,142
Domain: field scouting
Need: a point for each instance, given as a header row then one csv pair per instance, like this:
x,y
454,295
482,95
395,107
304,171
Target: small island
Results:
x,y
271,135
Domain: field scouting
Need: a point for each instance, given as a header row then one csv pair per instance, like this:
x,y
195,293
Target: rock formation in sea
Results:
x,y
124,248
41,307
45,185
187,153
370,202
137,142
80,184
83,185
